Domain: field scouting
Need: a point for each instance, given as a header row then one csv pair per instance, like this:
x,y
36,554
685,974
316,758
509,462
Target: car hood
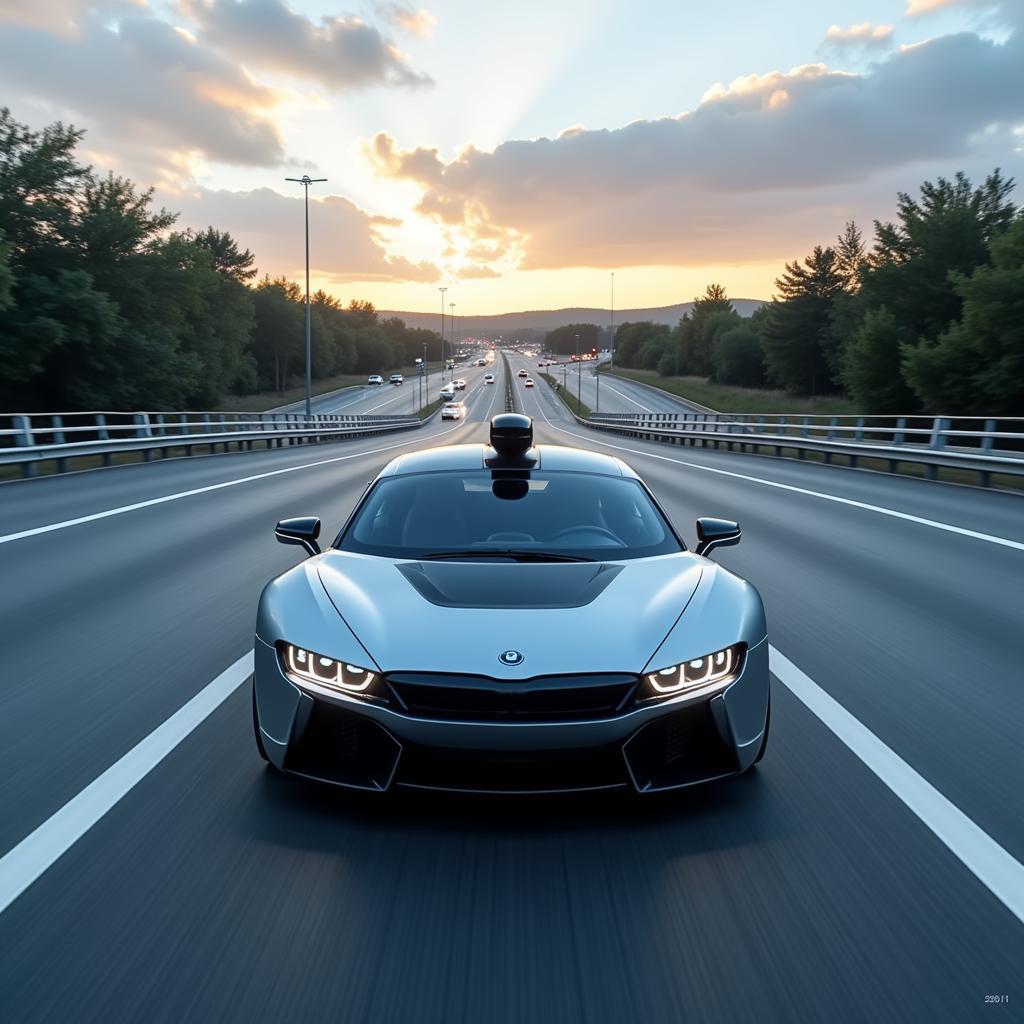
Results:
x,y
459,616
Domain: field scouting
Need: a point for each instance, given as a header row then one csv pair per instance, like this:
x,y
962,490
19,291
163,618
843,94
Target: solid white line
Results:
x,y
22,865
35,531
1000,873
626,397
905,516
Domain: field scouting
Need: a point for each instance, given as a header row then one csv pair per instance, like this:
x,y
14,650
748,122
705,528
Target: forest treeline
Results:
x,y
103,305
929,317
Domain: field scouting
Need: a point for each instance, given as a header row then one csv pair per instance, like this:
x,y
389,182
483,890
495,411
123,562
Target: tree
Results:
x,y
977,366
797,338
279,333
6,274
695,334
226,258
562,340
739,357
851,256
872,366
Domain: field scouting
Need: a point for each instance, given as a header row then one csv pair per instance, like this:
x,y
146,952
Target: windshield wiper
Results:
x,y
517,555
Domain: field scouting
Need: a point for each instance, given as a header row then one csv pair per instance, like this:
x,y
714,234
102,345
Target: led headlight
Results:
x,y
712,668
305,666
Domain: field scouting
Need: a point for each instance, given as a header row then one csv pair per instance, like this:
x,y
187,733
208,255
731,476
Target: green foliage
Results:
x,y
739,357
640,343
978,363
562,340
798,341
695,334
103,305
6,274
872,366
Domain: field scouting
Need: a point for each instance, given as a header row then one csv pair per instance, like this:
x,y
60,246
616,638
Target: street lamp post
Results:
x,y
423,379
611,328
579,376
451,306
305,181
442,291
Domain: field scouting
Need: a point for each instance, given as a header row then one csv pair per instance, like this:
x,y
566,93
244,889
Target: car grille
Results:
x,y
482,699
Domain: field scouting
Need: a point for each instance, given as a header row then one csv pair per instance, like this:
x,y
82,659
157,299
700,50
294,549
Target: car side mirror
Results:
x,y
716,533
303,532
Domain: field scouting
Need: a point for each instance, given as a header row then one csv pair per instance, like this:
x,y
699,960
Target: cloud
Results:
x,y
418,23
476,272
765,158
64,16
862,35
342,53
145,87
345,242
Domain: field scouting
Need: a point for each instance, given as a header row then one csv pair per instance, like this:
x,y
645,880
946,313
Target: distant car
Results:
x,y
375,378
528,383
522,373
481,362
448,391
460,384
488,378
396,378
453,411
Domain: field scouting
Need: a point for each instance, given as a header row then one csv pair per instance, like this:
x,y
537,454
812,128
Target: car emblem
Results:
x,y
510,658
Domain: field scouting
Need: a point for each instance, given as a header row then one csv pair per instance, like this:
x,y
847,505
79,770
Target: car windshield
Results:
x,y
477,514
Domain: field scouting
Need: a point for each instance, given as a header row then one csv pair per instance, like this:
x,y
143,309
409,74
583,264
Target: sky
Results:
x,y
519,154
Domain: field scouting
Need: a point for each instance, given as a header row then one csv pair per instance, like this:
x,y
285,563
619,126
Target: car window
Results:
x,y
578,514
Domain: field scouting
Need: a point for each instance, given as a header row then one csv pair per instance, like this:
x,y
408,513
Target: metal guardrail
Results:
x,y
975,445
28,439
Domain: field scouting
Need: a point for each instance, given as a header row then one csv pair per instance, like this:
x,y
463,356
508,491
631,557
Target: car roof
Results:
x,y
551,458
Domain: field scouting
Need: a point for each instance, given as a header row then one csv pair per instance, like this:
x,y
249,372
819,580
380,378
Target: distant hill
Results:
x,y
507,324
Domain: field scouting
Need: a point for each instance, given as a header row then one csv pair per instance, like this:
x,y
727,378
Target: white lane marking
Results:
x,y
390,400
23,864
35,531
626,397
905,516
996,869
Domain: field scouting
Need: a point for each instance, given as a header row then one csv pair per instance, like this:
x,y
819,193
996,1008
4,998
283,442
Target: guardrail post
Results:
x,y
23,439
984,476
103,434
143,429
938,441
781,427
57,423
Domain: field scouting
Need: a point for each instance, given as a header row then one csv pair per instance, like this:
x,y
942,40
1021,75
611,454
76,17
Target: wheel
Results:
x,y
767,723
256,727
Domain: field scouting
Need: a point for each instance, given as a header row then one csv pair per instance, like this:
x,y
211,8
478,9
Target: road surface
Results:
x,y
834,883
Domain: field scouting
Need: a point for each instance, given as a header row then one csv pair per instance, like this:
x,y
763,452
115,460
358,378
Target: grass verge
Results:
x,y
747,400
564,394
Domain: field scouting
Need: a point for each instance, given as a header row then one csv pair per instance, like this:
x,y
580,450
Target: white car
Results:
x,y
453,411
522,373
488,378
460,384
397,378
448,391
528,383
375,378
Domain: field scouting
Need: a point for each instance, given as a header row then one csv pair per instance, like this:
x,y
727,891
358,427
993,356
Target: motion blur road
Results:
x,y
816,888
382,399
612,394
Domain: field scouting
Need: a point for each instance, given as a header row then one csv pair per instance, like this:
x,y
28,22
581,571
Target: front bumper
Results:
x,y
666,745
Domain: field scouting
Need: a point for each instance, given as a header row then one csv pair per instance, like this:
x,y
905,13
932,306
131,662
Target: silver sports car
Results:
x,y
510,618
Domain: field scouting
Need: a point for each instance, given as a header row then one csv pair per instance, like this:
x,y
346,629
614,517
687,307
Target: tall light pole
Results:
x,y
452,349
442,291
579,376
305,181
611,328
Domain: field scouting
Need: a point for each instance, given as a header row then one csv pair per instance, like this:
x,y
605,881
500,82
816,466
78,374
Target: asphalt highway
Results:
x,y
382,399
824,886
611,394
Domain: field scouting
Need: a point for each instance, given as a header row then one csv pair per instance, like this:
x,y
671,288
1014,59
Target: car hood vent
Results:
x,y
567,617
497,585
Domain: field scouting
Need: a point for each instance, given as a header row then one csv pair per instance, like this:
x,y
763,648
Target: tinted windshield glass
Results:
x,y
570,514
